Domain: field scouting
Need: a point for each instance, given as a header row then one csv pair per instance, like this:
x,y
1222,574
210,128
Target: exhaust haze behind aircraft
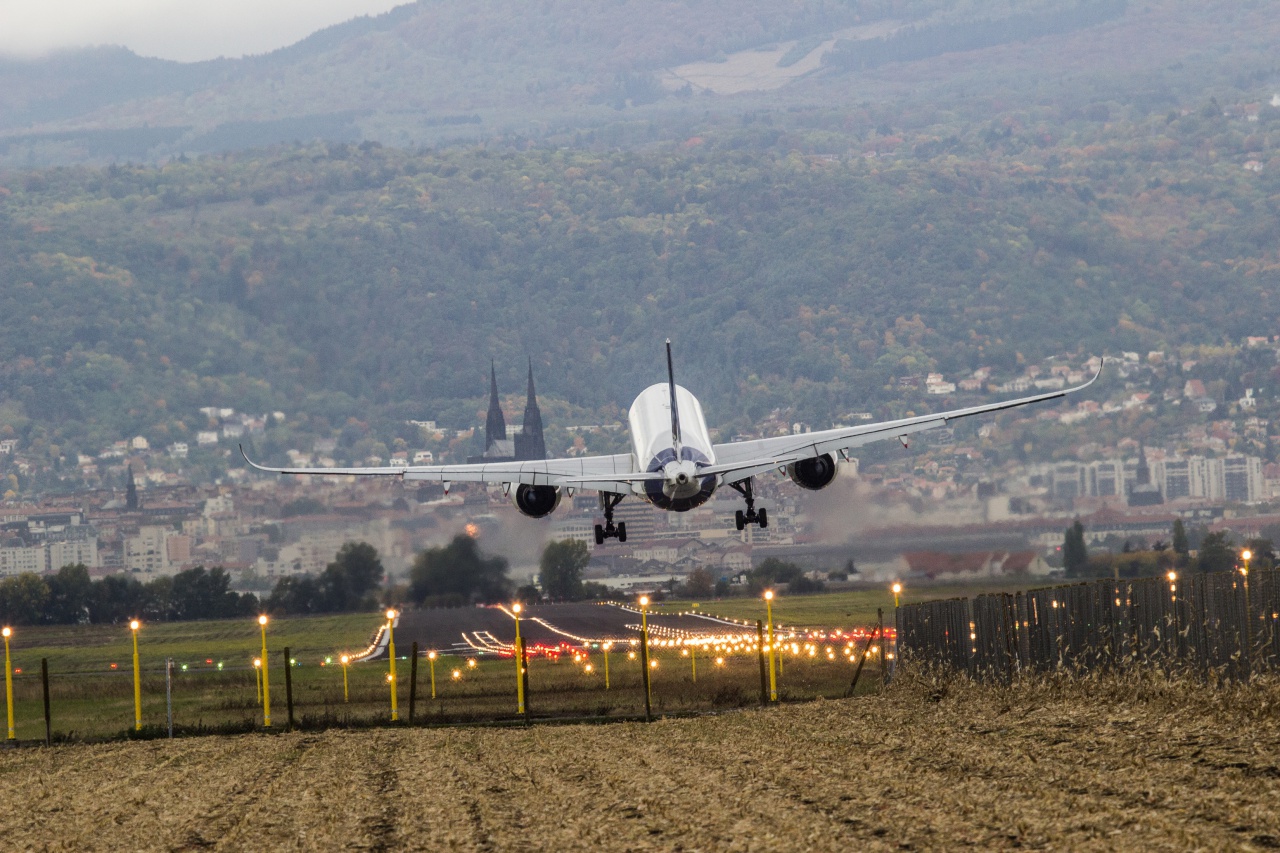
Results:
x,y
673,464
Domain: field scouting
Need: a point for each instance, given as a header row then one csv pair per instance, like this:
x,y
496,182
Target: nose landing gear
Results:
x,y
608,500
742,519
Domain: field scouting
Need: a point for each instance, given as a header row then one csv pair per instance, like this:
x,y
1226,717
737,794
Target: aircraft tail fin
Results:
x,y
675,412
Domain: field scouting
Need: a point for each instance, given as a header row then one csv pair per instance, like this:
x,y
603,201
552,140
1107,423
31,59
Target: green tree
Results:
x,y
561,567
117,598
1075,554
1263,553
771,572
1181,545
1216,553
457,574
70,591
201,593
700,583
348,583
23,599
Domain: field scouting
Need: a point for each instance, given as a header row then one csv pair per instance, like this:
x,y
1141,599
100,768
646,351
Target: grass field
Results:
x,y
1132,764
216,689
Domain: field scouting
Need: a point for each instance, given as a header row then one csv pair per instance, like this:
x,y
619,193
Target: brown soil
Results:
x,y
1098,764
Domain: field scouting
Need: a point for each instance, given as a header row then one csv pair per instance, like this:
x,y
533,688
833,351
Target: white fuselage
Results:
x,y
656,451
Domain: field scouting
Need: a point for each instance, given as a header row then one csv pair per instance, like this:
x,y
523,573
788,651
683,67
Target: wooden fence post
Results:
x,y
288,687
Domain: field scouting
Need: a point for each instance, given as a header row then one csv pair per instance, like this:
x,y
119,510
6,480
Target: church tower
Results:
x,y
530,443
495,426
131,492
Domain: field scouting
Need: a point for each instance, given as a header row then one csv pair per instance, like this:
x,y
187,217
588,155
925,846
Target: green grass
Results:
x,y
89,700
845,609
235,642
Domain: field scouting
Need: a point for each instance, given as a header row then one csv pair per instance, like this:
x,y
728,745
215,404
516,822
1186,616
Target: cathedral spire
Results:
x,y
530,444
495,426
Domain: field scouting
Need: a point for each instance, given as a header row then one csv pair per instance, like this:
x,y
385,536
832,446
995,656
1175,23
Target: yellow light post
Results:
x,y
266,677
346,659
897,594
257,677
605,646
431,656
515,610
8,679
773,676
134,625
391,653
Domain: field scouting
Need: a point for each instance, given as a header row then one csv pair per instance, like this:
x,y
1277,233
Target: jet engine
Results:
x,y
536,501
815,473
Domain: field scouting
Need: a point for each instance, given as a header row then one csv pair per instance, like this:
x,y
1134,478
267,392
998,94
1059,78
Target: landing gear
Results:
x,y
608,500
742,519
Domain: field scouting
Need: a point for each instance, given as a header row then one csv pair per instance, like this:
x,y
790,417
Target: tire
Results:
x,y
599,535
764,518
740,520
622,531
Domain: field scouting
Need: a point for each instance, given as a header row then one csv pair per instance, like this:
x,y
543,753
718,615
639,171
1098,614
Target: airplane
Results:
x,y
674,465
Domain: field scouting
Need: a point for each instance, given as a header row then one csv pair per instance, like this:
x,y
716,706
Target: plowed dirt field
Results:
x,y
929,765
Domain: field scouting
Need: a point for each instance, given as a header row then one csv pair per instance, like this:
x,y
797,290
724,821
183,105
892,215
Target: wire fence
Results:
x,y
1221,624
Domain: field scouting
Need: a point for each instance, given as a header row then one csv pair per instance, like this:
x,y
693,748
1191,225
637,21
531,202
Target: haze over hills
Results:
x,y
1108,184
430,71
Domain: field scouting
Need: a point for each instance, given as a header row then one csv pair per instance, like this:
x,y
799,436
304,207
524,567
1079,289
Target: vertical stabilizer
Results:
x,y
675,412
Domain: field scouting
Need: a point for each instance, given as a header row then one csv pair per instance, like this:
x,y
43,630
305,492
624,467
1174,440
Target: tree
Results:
x,y
1075,554
1263,553
347,583
1216,553
23,598
457,574
528,594
70,591
116,598
296,594
1181,545
201,593
772,571
561,567
700,583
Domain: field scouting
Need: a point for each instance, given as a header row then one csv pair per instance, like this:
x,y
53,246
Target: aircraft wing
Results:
x,y
736,461
613,473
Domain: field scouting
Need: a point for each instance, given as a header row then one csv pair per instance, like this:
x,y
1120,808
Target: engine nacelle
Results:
x,y
813,474
536,501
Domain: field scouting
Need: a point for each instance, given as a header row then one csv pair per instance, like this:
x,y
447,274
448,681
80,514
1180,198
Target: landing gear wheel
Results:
x,y
742,519
608,500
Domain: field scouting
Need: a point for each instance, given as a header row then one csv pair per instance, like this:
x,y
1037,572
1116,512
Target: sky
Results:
x,y
185,30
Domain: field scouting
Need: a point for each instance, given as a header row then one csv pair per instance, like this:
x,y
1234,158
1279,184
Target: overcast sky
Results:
x,y
186,30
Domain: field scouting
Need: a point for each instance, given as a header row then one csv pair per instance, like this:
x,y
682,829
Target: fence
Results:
x,y
1222,622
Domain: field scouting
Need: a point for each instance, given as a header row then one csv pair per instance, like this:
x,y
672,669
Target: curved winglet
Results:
x,y
255,464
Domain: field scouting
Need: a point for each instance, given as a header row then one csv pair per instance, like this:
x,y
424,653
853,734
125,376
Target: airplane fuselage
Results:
x,y
680,489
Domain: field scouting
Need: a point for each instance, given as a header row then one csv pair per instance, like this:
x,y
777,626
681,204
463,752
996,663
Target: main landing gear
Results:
x,y
608,500
742,519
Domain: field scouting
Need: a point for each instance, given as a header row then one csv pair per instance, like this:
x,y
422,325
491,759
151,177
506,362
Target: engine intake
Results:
x,y
813,474
536,501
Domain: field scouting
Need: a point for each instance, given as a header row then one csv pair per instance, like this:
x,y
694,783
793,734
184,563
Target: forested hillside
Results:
x,y
363,286
984,209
